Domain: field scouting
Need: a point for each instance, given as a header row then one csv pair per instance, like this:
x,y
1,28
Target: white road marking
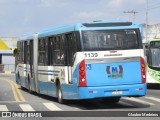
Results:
x,y
26,107
52,107
3,108
138,100
153,98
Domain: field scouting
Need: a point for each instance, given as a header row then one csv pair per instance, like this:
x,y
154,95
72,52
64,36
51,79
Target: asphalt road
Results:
x,y
13,98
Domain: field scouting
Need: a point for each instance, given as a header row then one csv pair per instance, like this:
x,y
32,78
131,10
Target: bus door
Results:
x,y
70,54
31,58
29,61
25,58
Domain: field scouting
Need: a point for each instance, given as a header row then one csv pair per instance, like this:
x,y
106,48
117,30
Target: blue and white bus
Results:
x,y
83,61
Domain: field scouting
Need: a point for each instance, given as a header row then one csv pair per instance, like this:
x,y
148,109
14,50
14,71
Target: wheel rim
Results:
x,y
59,94
30,88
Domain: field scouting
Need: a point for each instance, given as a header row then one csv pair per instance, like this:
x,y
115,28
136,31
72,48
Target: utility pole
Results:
x,y
132,12
147,20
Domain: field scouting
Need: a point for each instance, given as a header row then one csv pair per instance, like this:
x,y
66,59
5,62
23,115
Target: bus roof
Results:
x,y
154,39
95,25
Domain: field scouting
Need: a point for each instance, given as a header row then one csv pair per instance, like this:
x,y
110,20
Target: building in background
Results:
x,y
7,61
152,32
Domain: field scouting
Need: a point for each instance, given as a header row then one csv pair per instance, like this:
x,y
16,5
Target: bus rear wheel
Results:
x,y
59,94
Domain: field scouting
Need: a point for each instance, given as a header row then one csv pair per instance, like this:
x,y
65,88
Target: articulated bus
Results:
x,y
153,61
103,60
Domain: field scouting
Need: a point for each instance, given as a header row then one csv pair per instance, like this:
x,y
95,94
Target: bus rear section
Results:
x,y
117,71
110,77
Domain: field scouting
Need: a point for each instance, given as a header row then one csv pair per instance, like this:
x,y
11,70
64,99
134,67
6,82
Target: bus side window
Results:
x,y
71,48
50,50
18,52
25,52
62,52
56,50
41,57
28,53
46,56
22,52
56,46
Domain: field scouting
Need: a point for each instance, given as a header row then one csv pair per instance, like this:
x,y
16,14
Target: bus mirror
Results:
x,y
15,52
146,46
147,52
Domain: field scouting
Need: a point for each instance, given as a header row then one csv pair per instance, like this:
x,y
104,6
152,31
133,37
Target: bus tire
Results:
x,y
60,94
111,99
19,79
19,82
29,85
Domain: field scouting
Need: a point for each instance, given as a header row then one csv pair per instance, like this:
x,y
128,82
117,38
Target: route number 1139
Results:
x,y
91,54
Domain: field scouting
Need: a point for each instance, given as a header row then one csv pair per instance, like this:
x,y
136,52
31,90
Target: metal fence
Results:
x,y
7,67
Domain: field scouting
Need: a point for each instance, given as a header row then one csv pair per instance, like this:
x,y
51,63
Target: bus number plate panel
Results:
x,y
117,92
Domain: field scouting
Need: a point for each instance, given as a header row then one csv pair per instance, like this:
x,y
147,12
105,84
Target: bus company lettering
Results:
x,y
114,72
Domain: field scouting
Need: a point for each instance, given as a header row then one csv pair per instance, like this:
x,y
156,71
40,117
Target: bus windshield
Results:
x,y
110,40
155,57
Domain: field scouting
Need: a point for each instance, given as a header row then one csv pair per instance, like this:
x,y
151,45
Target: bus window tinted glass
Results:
x,y
155,57
110,39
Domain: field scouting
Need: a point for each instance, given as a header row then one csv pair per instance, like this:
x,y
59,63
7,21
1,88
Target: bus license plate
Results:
x,y
117,92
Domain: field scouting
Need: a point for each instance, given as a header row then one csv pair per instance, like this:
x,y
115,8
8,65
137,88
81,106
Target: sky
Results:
x,y
18,17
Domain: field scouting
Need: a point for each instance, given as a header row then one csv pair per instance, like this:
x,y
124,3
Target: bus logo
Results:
x,y
114,72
